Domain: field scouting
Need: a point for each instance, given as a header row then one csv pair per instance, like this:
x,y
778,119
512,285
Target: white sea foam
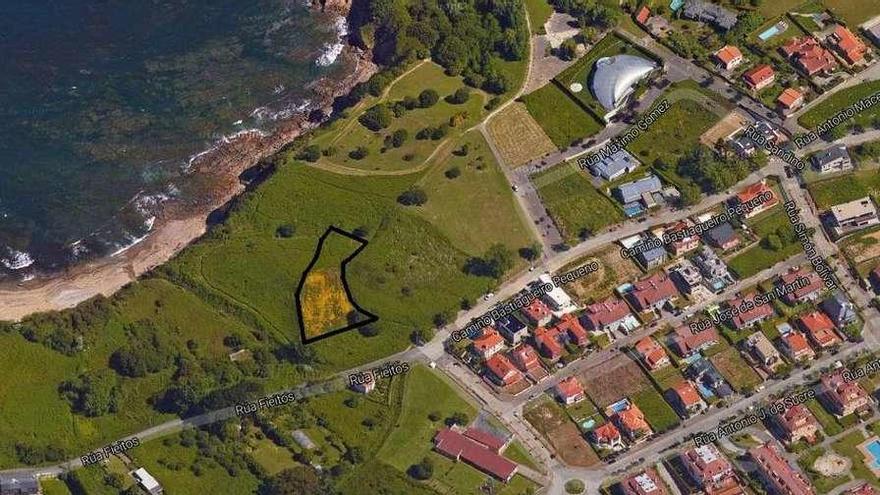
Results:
x,y
220,142
332,50
16,260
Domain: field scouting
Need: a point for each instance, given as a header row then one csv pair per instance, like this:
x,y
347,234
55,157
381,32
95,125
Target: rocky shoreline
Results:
x,y
179,223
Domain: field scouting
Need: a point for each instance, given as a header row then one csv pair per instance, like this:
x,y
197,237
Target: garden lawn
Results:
x,y
822,483
347,134
761,256
848,446
410,440
837,190
375,477
573,203
658,412
475,209
52,486
562,119
517,453
829,423
841,100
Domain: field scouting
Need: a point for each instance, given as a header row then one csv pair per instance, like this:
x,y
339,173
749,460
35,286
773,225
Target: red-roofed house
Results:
x,y
570,391
631,422
807,55
607,436
758,78
451,443
501,370
684,245
706,465
687,342
810,290
652,353
757,192
488,344
865,489
572,329
652,293
797,423
847,45
796,347
728,57
842,397
689,401
538,313
819,327
643,15
547,342
645,483
526,359
495,444
778,475
790,99
605,316
749,313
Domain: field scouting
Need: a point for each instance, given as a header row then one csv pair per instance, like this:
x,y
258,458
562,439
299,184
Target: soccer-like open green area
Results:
x,y
562,118
573,203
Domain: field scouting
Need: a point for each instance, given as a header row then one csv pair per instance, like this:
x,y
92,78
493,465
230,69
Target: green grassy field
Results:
x,y
761,256
839,101
562,119
182,470
475,209
54,487
573,202
837,190
539,12
376,477
346,134
677,132
854,12
410,440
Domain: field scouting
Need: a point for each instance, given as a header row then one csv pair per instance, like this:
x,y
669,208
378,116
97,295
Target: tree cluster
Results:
x,y
467,38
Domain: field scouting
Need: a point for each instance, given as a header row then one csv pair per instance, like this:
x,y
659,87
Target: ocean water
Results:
x,y
104,103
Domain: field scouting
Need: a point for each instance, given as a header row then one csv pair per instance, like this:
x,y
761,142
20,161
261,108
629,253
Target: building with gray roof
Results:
x,y
833,159
19,485
697,10
615,165
839,308
633,191
615,78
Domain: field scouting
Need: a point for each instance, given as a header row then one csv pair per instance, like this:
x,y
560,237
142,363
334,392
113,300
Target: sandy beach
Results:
x,y
182,225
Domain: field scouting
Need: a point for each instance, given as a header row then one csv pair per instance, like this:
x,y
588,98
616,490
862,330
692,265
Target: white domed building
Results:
x,y
615,78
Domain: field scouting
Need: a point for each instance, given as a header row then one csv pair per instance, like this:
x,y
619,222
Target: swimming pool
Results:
x,y
775,29
874,449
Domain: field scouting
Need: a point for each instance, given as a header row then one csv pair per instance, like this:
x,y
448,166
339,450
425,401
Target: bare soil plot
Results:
x,y
613,270
518,137
565,438
863,248
735,370
618,378
730,124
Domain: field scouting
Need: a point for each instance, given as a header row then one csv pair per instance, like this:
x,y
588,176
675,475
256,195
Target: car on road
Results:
x,y
488,296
